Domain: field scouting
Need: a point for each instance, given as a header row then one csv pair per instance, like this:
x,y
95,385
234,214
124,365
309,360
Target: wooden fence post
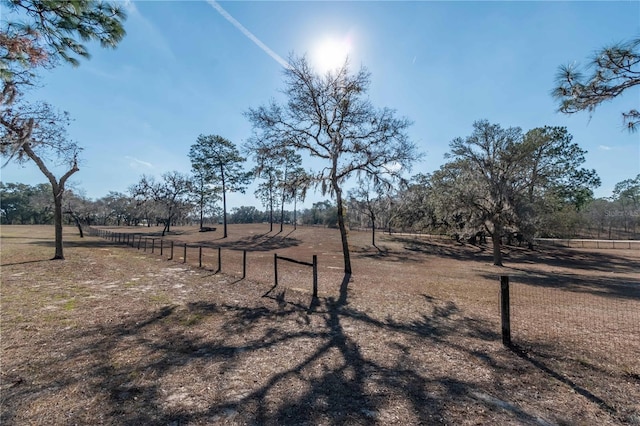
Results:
x,y
199,256
139,242
505,310
275,268
153,245
171,258
315,276
145,244
161,246
219,260
184,259
244,264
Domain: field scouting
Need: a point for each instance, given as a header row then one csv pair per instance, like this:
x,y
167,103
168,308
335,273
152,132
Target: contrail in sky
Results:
x,y
248,33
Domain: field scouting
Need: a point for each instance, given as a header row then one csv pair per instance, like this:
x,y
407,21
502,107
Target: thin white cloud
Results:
x,y
130,7
155,37
248,34
136,164
605,148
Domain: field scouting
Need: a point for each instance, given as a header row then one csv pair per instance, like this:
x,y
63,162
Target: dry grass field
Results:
x,y
117,335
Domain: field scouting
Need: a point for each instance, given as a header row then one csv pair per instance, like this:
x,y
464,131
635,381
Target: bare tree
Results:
x,y
281,170
39,133
172,193
268,169
328,117
36,33
367,199
615,68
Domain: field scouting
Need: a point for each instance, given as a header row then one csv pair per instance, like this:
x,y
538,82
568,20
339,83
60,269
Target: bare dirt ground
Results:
x,y
119,335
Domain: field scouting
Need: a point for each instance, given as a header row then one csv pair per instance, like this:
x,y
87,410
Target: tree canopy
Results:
x,y
221,164
39,32
502,181
329,118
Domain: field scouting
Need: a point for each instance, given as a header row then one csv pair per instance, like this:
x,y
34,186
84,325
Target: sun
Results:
x,y
330,53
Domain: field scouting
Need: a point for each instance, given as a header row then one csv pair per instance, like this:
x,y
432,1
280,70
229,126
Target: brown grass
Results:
x,y
116,335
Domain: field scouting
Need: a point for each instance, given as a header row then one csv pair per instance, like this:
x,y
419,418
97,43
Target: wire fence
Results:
x,y
589,326
599,326
233,262
589,243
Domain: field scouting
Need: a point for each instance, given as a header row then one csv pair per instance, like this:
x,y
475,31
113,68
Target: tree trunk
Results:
x,y
58,189
57,222
270,208
343,231
496,239
224,203
373,229
295,213
201,211
282,211
76,220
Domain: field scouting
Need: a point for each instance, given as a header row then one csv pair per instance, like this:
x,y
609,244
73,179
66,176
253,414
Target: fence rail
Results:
x,y
313,264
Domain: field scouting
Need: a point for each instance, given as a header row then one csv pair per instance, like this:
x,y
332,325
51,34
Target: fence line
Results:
x,y
588,243
602,329
148,244
313,264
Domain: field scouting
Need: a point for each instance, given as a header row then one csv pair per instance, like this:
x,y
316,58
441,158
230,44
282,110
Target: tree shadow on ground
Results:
x,y
597,285
260,242
82,242
415,249
321,374
603,260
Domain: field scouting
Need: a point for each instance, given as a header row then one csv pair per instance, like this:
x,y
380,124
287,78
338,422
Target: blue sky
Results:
x,y
184,69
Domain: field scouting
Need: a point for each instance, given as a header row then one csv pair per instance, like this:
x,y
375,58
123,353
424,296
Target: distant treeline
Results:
x,y
617,217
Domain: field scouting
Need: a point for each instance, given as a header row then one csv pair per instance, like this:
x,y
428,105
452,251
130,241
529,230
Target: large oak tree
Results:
x,y
329,118
501,181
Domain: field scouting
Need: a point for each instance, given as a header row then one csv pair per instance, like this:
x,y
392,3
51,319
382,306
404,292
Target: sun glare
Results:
x,y
330,53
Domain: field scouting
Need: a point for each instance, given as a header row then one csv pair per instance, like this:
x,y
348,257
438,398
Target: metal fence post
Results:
x,y
199,256
184,259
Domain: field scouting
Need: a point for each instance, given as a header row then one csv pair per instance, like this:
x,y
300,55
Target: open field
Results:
x,y
116,335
